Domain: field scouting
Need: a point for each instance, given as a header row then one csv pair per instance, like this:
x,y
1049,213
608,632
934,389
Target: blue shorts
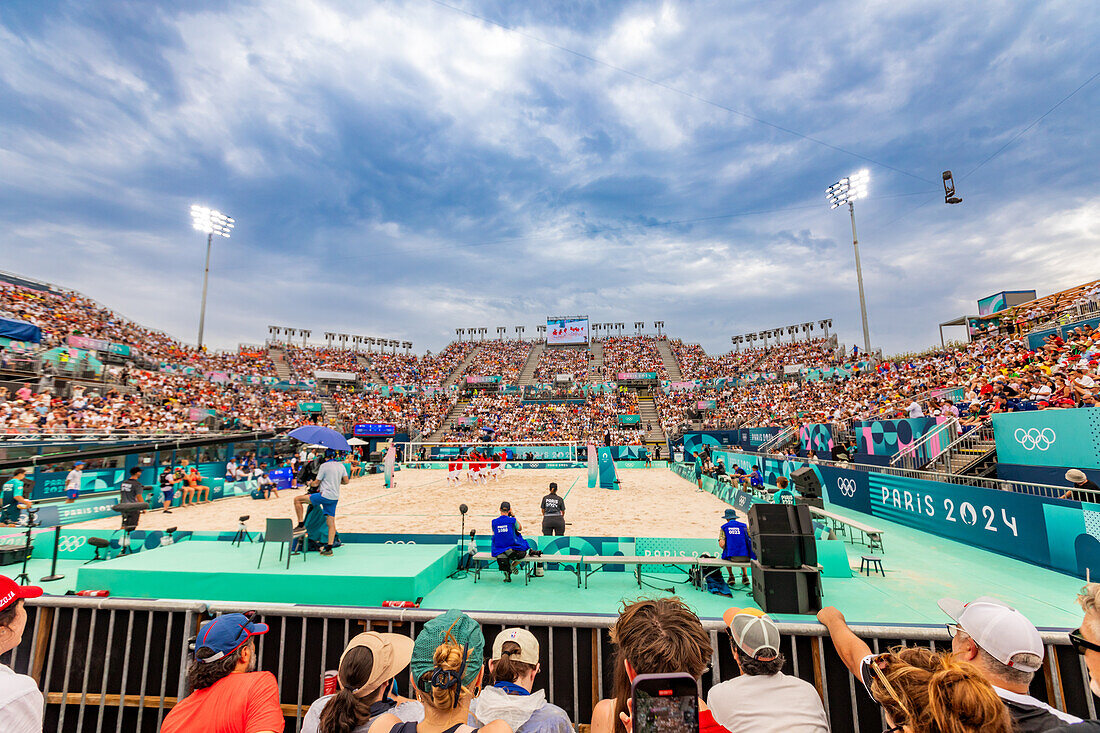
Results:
x,y
328,506
167,494
72,494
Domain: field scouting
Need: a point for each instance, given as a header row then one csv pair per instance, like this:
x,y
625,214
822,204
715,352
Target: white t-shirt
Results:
x,y
763,703
72,481
20,703
915,410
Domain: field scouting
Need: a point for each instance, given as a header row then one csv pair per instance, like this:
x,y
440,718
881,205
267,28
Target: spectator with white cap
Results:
x,y
1007,649
763,698
20,699
365,675
511,697
1082,482
226,693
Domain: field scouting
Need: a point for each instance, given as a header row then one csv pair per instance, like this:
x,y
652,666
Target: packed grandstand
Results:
x,y
92,370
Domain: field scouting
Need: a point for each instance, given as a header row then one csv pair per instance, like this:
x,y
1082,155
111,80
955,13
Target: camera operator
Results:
x,y
329,478
509,545
14,505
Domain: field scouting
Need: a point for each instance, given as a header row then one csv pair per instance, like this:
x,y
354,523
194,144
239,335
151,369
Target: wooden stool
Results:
x,y
871,563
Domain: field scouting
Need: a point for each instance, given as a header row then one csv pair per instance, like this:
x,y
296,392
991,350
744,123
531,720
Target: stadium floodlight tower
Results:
x,y
211,222
541,331
659,325
847,191
519,332
501,330
459,332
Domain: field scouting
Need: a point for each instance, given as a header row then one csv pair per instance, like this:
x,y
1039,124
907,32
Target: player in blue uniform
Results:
x,y
736,545
508,545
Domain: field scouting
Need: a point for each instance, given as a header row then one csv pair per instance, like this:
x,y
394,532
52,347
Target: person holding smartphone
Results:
x,y
660,637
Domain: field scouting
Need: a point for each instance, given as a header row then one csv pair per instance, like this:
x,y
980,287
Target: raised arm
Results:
x,y
850,647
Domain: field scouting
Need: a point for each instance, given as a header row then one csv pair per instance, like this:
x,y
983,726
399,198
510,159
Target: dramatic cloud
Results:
x,y
404,168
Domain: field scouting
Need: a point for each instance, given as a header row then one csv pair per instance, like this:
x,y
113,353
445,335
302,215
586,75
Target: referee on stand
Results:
x,y
553,513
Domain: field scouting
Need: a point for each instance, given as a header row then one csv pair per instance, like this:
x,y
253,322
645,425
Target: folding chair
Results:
x,y
284,532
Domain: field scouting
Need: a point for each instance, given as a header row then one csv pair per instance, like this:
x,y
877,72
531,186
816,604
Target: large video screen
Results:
x,y
566,330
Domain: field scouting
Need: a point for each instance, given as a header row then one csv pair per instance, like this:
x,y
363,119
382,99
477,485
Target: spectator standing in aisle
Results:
x,y
511,696
365,675
763,699
21,702
226,694
654,637
446,669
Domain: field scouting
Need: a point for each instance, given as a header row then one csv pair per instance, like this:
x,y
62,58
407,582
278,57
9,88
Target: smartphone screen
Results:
x,y
665,704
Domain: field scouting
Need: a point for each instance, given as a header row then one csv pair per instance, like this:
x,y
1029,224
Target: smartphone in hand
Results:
x,y
665,703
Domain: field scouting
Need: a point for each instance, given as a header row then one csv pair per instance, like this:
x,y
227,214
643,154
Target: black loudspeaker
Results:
x,y
779,519
807,483
785,550
786,591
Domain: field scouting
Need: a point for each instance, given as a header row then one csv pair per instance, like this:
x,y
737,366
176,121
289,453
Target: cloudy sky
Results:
x,y
401,169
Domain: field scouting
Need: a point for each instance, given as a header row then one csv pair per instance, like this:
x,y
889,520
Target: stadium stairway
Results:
x,y
527,374
672,365
453,376
278,360
453,414
328,410
372,376
648,412
596,365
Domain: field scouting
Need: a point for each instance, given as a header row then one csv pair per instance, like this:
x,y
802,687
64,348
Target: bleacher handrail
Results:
x,y
908,454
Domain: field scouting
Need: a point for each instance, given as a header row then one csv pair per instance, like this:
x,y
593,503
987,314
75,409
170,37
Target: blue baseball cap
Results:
x,y
226,634
78,463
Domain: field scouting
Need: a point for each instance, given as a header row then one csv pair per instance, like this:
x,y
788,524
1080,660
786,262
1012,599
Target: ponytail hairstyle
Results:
x,y
934,693
346,711
656,636
441,687
507,669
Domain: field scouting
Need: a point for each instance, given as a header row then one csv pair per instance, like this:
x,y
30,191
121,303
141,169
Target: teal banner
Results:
x,y
629,419
1049,437
608,478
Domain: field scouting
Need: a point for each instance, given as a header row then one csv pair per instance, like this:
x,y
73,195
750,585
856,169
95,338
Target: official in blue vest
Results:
x,y
756,479
734,540
508,545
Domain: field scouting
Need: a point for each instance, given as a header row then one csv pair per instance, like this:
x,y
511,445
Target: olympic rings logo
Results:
x,y
1035,438
71,544
846,486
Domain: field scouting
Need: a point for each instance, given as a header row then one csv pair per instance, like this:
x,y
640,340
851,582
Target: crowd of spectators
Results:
x,y
632,354
415,412
304,361
427,370
504,359
594,416
981,684
555,361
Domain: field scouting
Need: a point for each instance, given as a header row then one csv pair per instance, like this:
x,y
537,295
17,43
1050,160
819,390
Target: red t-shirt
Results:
x,y
707,723
237,703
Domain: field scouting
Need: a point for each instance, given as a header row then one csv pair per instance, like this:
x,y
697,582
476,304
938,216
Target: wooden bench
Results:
x,y
870,536
585,566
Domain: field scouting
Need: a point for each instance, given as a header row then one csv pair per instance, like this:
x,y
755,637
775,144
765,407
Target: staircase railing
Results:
x,y
977,434
918,454
779,439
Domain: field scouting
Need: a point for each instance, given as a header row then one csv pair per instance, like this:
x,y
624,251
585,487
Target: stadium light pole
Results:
x,y
847,191
211,222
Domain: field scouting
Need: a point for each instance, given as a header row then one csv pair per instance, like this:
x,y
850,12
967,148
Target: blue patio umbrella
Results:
x,y
320,435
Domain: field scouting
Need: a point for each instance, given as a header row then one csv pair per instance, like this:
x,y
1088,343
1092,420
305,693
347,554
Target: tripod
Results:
x,y
23,578
242,534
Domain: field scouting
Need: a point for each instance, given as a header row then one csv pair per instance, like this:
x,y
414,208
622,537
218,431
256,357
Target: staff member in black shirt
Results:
x,y
553,513
1080,481
130,492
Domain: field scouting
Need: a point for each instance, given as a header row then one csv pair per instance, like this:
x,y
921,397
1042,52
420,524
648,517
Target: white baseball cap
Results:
x,y
997,628
753,632
528,646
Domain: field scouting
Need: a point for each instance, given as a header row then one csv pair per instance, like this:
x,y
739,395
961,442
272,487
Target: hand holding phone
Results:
x,y
663,703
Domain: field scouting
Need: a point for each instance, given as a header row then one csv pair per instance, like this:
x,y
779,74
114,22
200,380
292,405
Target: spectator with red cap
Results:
x,y
226,694
20,699
762,698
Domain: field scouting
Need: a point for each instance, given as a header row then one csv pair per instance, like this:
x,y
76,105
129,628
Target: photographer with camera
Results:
x,y
14,505
508,545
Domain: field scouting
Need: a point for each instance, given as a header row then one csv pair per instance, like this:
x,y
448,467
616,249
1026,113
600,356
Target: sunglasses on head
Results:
x,y
877,665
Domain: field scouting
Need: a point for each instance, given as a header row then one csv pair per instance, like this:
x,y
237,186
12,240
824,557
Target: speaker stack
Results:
x,y
785,577
809,486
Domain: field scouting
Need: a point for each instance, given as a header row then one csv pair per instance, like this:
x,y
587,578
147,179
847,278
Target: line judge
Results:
x,y
553,513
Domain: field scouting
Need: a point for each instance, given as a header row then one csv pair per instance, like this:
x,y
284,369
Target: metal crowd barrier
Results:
x,y
107,664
